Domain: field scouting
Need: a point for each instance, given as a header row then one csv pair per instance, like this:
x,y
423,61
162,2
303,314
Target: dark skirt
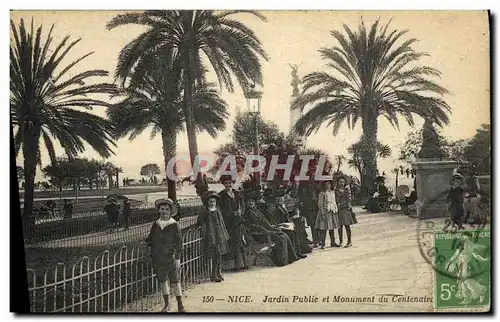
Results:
x,y
300,230
238,245
346,217
283,252
373,205
456,211
220,248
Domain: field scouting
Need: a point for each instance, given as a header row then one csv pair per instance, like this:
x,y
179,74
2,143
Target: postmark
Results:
x,y
442,224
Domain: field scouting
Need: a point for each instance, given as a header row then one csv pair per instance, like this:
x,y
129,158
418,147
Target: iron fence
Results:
x,y
94,229
58,214
119,282
108,237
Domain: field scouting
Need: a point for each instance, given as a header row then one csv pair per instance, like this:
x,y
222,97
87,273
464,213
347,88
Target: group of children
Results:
x,y
112,210
334,212
229,224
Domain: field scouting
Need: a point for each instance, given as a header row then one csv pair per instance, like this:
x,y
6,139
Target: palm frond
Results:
x,y
379,75
39,101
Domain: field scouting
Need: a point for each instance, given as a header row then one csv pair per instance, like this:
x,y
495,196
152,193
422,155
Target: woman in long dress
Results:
x,y
468,289
283,252
327,219
231,206
346,216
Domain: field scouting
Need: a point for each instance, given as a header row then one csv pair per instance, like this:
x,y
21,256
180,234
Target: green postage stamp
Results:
x,y
462,271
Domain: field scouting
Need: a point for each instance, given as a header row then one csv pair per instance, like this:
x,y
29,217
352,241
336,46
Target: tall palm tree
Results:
x,y
375,73
149,104
110,170
118,170
44,101
340,161
231,47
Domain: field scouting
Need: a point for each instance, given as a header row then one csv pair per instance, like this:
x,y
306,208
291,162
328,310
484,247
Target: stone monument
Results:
x,y
434,172
295,114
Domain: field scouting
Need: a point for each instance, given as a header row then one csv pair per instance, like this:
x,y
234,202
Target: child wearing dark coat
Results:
x,y
455,200
216,237
166,247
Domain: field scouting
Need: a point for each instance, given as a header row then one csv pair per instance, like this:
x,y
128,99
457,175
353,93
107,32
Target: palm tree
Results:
x,y
109,169
229,45
43,103
118,170
357,150
376,74
340,161
149,104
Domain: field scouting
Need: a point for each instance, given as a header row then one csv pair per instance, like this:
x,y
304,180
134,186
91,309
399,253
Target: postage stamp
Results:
x,y
465,256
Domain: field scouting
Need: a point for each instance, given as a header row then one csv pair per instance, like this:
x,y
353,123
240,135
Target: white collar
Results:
x,y
165,223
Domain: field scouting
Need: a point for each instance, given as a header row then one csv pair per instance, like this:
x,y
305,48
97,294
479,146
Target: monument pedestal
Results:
x,y
433,182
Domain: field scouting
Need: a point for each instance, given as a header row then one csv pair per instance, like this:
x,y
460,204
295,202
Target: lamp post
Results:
x,y
253,96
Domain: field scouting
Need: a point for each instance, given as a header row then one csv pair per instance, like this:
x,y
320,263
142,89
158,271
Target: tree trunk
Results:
x,y
169,139
110,181
30,147
117,180
360,171
188,111
78,184
369,150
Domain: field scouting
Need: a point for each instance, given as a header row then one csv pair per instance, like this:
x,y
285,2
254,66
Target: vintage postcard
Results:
x,y
253,161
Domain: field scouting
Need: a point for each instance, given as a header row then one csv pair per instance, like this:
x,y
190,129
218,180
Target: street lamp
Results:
x,y
253,96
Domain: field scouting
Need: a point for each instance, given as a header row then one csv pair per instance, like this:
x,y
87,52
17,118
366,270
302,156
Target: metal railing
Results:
x,y
119,282
108,237
93,229
98,211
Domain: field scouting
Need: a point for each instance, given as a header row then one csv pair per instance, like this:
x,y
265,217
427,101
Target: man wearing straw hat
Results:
x,y
165,240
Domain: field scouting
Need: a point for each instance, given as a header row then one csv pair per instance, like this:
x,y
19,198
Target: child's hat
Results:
x,y
225,178
268,192
211,194
169,202
112,199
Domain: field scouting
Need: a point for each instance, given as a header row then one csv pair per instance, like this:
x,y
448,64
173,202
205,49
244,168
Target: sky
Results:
x,y
457,41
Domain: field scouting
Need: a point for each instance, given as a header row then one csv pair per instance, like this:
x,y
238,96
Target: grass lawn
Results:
x,y
42,259
87,193
85,205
